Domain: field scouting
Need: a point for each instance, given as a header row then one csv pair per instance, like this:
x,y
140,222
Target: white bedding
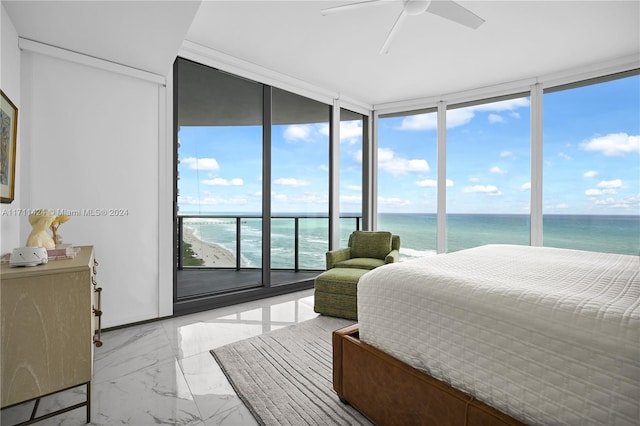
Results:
x,y
548,336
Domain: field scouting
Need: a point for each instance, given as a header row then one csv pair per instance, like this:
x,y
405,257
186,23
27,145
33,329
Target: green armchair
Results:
x,y
366,250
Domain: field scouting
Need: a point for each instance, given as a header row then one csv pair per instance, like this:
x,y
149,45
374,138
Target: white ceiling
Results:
x,y
141,34
430,56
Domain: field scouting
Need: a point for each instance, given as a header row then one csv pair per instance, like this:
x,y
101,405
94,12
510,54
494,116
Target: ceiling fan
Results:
x,y
447,9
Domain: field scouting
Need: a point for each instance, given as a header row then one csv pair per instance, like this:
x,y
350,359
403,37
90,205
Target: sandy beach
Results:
x,y
213,255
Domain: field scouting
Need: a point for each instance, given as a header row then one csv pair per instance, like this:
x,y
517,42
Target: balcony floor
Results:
x,y
196,282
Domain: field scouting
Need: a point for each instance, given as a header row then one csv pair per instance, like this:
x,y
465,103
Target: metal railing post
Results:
x,y
238,244
180,236
296,253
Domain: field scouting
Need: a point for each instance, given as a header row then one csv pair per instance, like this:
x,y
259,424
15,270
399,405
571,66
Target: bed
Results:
x,y
497,334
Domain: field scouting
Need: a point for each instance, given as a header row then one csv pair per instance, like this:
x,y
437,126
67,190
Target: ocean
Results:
x,y
612,234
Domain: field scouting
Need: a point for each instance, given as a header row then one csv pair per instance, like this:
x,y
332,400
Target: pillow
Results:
x,y
374,244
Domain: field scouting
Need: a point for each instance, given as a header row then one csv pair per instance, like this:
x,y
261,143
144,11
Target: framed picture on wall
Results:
x,y
8,135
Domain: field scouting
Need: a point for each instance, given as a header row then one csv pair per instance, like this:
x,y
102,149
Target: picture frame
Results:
x,y
8,136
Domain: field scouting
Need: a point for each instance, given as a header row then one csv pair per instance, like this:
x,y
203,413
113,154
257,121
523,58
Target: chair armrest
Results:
x,y
339,255
392,257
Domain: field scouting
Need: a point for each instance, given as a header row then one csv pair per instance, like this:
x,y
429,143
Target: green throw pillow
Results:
x,y
375,244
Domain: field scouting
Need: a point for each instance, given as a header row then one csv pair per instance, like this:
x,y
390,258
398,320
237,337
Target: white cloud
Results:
x,y
605,187
224,182
460,116
210,164
507,105
496,118
428,121
613,144
297,132
562,206
565,156
507,154
354,187
590,174
211,201
483,189
616,183
427,183
393,202
351,131
388,162
474,179
304,198
525,186
498,170
291,182
595,192
628,203
351,199
323,167
432,183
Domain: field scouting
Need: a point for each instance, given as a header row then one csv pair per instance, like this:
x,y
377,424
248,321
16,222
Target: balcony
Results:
x,y
221,254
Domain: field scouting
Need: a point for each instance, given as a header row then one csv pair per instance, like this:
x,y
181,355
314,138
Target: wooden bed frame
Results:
x,y
390,392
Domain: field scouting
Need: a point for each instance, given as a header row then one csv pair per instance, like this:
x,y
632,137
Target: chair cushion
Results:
x,y
373,244
360,263
339,280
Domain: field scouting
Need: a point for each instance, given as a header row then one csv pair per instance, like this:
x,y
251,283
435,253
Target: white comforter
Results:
x,y
548,336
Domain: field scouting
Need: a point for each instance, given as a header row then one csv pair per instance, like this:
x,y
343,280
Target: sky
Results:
x,y
591,160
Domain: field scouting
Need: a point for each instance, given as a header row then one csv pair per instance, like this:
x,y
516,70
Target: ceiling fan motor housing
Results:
x,y
416,7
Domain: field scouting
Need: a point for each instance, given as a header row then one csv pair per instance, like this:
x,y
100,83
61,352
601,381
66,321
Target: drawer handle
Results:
x,y
98,313
98,333
93,280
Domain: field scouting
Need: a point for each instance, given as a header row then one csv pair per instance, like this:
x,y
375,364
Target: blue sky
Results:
x,y
591,159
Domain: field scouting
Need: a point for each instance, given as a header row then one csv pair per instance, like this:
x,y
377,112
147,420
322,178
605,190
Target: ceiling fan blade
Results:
x,y
451,10
351,6
392,33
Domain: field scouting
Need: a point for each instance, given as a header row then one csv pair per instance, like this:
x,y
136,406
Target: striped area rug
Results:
x,y
285,377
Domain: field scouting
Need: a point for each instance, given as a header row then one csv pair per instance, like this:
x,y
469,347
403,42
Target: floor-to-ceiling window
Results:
x,y
591,170
407,180
299,181
352,127
488,173
219,185
251,198
229,162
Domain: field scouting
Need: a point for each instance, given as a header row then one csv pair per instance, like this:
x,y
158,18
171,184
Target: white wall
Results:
x,y
10,84
94,140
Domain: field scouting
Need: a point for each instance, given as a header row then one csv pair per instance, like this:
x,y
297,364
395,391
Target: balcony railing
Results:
x,y
230,234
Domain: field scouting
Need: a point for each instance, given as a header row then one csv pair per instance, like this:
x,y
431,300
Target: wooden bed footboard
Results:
x,y
390,392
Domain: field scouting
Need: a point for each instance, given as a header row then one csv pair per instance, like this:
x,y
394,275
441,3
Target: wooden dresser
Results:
x,y
50,323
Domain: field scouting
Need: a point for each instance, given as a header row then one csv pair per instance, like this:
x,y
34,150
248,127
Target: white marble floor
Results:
x,y
162,373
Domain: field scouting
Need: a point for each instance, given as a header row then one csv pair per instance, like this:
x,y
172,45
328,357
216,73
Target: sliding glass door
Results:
x,y
219,179
299,182
252,187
